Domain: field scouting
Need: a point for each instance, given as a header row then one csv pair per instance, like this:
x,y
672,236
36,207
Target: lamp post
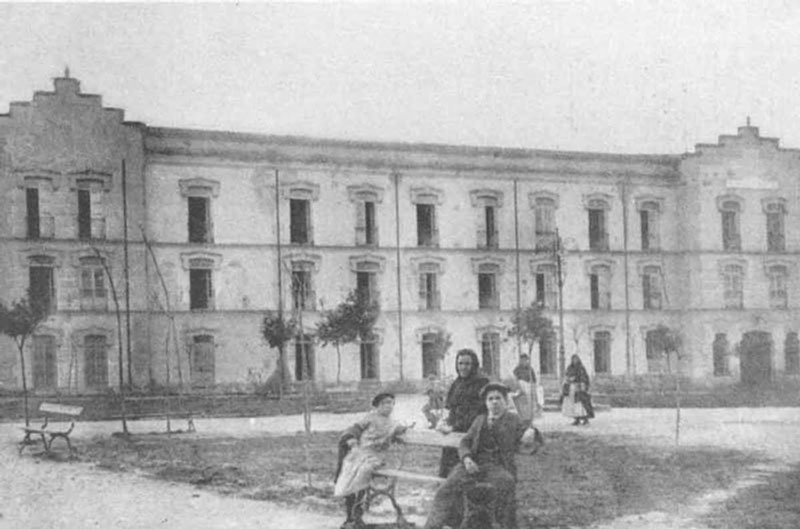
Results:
x,y
558,254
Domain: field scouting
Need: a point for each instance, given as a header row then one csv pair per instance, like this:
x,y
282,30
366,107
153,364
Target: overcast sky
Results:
x,y
643,76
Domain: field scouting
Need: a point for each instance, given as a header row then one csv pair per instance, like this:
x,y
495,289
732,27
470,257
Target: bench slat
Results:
x,y
404,474
432,438
60,409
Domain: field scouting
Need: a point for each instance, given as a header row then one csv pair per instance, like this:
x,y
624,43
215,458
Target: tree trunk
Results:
x,y
21,347
338,364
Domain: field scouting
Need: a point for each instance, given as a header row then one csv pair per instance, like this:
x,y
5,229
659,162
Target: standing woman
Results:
x,y
463,404
525,399
577,402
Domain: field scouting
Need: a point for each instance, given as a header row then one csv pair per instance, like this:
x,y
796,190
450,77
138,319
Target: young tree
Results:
x,y
669,341
350,321
531,326
277,331
19,322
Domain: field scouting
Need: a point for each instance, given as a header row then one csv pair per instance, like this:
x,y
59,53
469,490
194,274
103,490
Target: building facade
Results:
x,y
219,229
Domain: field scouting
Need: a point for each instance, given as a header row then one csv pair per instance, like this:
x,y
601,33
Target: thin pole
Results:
x,y
516,255
561,348
399,289
127,277
628,359
282,346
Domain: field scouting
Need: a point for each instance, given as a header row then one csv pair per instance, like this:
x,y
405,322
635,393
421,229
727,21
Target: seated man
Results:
x,y
487,454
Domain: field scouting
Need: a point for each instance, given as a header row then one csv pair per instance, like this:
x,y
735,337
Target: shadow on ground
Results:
x,y
575,480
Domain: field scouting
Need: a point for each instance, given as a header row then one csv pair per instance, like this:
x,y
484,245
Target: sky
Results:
x,y
638,76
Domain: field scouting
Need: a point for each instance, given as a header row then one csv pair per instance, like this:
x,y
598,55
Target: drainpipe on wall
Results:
x,y
628,359
399,286
516,256
127,274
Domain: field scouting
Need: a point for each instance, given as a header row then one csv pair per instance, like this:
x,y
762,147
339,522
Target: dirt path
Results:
x,y
37,493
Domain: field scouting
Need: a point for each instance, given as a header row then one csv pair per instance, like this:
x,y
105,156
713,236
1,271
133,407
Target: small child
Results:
x,y
361,451
434,408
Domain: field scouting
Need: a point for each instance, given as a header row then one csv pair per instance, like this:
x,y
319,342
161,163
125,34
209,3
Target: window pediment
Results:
x,y
428,263
648,266
44,179
199,187
367,263
728,265
488,264
486,197
489,329
598,201
365,193
426,195
730,202
429,329
543,197
80,257
207,260
771,265
773,205
42,256
300,190
302,261
595,266
80,334
649,203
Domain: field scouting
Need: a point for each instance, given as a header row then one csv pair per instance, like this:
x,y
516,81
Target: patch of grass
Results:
x,y
573,481
773,504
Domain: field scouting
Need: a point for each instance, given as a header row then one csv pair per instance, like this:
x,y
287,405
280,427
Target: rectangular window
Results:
x,y
544,218
366,228
32,215
303,358
656,357
720,355
598,240
644,219
201,292
430,356
602,352
202,364
428,291
547,287
731,240
541,292
199,219
42,287
44,363
547,357
600,288
651,289
93,288
369,360
733,287
487,291
427,234
300,221
490,228
490,354
366,286
84,214
302,290
776,241
778,295
791,352
95,365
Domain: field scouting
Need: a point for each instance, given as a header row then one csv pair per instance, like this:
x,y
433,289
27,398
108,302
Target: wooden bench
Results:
x,y
168,417
57,411
384,480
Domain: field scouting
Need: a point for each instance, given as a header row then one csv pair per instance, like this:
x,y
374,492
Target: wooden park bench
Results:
x,y
61,413
384,480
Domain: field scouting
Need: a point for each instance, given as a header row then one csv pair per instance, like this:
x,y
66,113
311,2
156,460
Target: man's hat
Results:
x,y
495,386
377,399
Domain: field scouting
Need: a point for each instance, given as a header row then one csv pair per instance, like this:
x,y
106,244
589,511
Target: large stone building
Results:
x,y
447,238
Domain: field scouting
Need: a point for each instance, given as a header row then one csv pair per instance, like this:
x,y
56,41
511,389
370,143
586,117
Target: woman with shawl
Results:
x,y
463,404
577,403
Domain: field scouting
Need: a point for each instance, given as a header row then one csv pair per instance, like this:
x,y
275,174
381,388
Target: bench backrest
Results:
x,y
60,409
432,438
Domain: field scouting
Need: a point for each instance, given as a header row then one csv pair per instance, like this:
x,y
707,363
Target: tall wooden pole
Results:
x,y
399,280
127,276
282,346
